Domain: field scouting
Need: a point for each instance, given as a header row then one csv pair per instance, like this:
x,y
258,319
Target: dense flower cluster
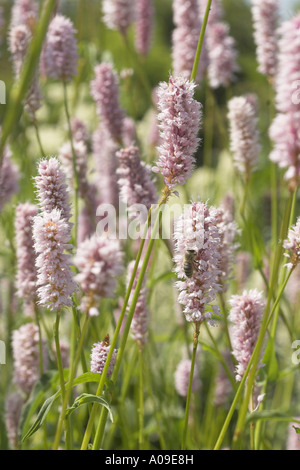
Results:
x,y
135,183
285,129
182,377
24,12
105,91
13,409
99,355
265,21
118,14
25,346
179,122
245,315
244,135
52,234
9,178
52,190
26,270
197,229
185,38
59,56
99,261
144,25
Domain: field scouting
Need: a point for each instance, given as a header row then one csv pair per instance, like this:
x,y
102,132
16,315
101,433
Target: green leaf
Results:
x,y
86,398
271,415
46,407
36,398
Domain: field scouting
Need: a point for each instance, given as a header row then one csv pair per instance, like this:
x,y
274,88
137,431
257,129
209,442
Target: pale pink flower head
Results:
x,y
144,25
285,134
104,155
287,78
197,229
24,12
105,92
185,39
265,22
60,56
26,270
13,409
222,56
135,183
216,12
25,347
118,14
292,244
52,234
179,122
80,131
99,355
9,178
246,315
182,377
52,190
99,262
244,134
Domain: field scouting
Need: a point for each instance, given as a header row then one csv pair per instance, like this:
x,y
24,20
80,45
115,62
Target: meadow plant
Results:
x,y
139,310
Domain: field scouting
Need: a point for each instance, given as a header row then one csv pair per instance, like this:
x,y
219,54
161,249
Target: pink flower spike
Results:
x,y
244,135
52,234
197,229
105,92
245,314
265,21
99,261
179,122
136,186
144,25
26,270
52,190
99,355
60,56
118,14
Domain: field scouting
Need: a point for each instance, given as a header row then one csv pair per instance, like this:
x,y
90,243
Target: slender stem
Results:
x,y
58,354
200,42
127,324
253,362
72,376
38,137
189,394
141,400
37,319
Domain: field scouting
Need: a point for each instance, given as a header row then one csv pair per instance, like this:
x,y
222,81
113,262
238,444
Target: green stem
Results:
x,y
253,362
189,394
141,400
128,322
72,376
200,42
37,319
20,87
38,138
